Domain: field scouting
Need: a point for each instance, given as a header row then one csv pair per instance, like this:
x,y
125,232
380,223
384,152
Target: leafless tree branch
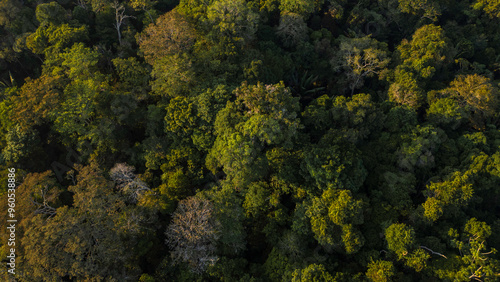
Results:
x,y
433,252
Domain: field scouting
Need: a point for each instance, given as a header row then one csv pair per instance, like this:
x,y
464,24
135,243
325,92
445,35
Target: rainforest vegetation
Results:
x,y
251,140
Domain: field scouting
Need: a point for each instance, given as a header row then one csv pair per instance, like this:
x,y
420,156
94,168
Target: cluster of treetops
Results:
x,y
252,140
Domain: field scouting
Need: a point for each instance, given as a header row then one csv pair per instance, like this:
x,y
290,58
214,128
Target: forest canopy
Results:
x,y
251,140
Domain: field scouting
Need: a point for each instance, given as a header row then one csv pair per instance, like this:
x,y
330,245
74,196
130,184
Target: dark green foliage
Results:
x,y
272,140
380,270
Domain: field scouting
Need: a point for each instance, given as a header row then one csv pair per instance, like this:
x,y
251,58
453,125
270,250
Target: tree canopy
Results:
x,y
251,140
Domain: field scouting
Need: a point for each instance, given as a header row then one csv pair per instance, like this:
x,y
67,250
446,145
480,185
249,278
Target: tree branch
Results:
x,y
433,252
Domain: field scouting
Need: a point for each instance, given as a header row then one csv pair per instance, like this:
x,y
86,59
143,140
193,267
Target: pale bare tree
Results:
x,y
126,181
120,17
193,234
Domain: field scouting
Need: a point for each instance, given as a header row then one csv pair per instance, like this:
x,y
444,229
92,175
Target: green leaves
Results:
x,y
274,101
353,118
232,20
336,213
51,39
20,144
180,117
84,241
173,76
50,13
134,76
281,177
313,272
37,100
171,34
181,172
334,167
405,90
360,58
358,116
79,62
425,51
491,7
476,261
447,112
380,271
301,7
262,116
79,109
396,188
419,152
419,60
400,239
240,159
345,209
257,199
456,191
425,8
476,95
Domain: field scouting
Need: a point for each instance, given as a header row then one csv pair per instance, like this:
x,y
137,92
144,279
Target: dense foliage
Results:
x,y
252,140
